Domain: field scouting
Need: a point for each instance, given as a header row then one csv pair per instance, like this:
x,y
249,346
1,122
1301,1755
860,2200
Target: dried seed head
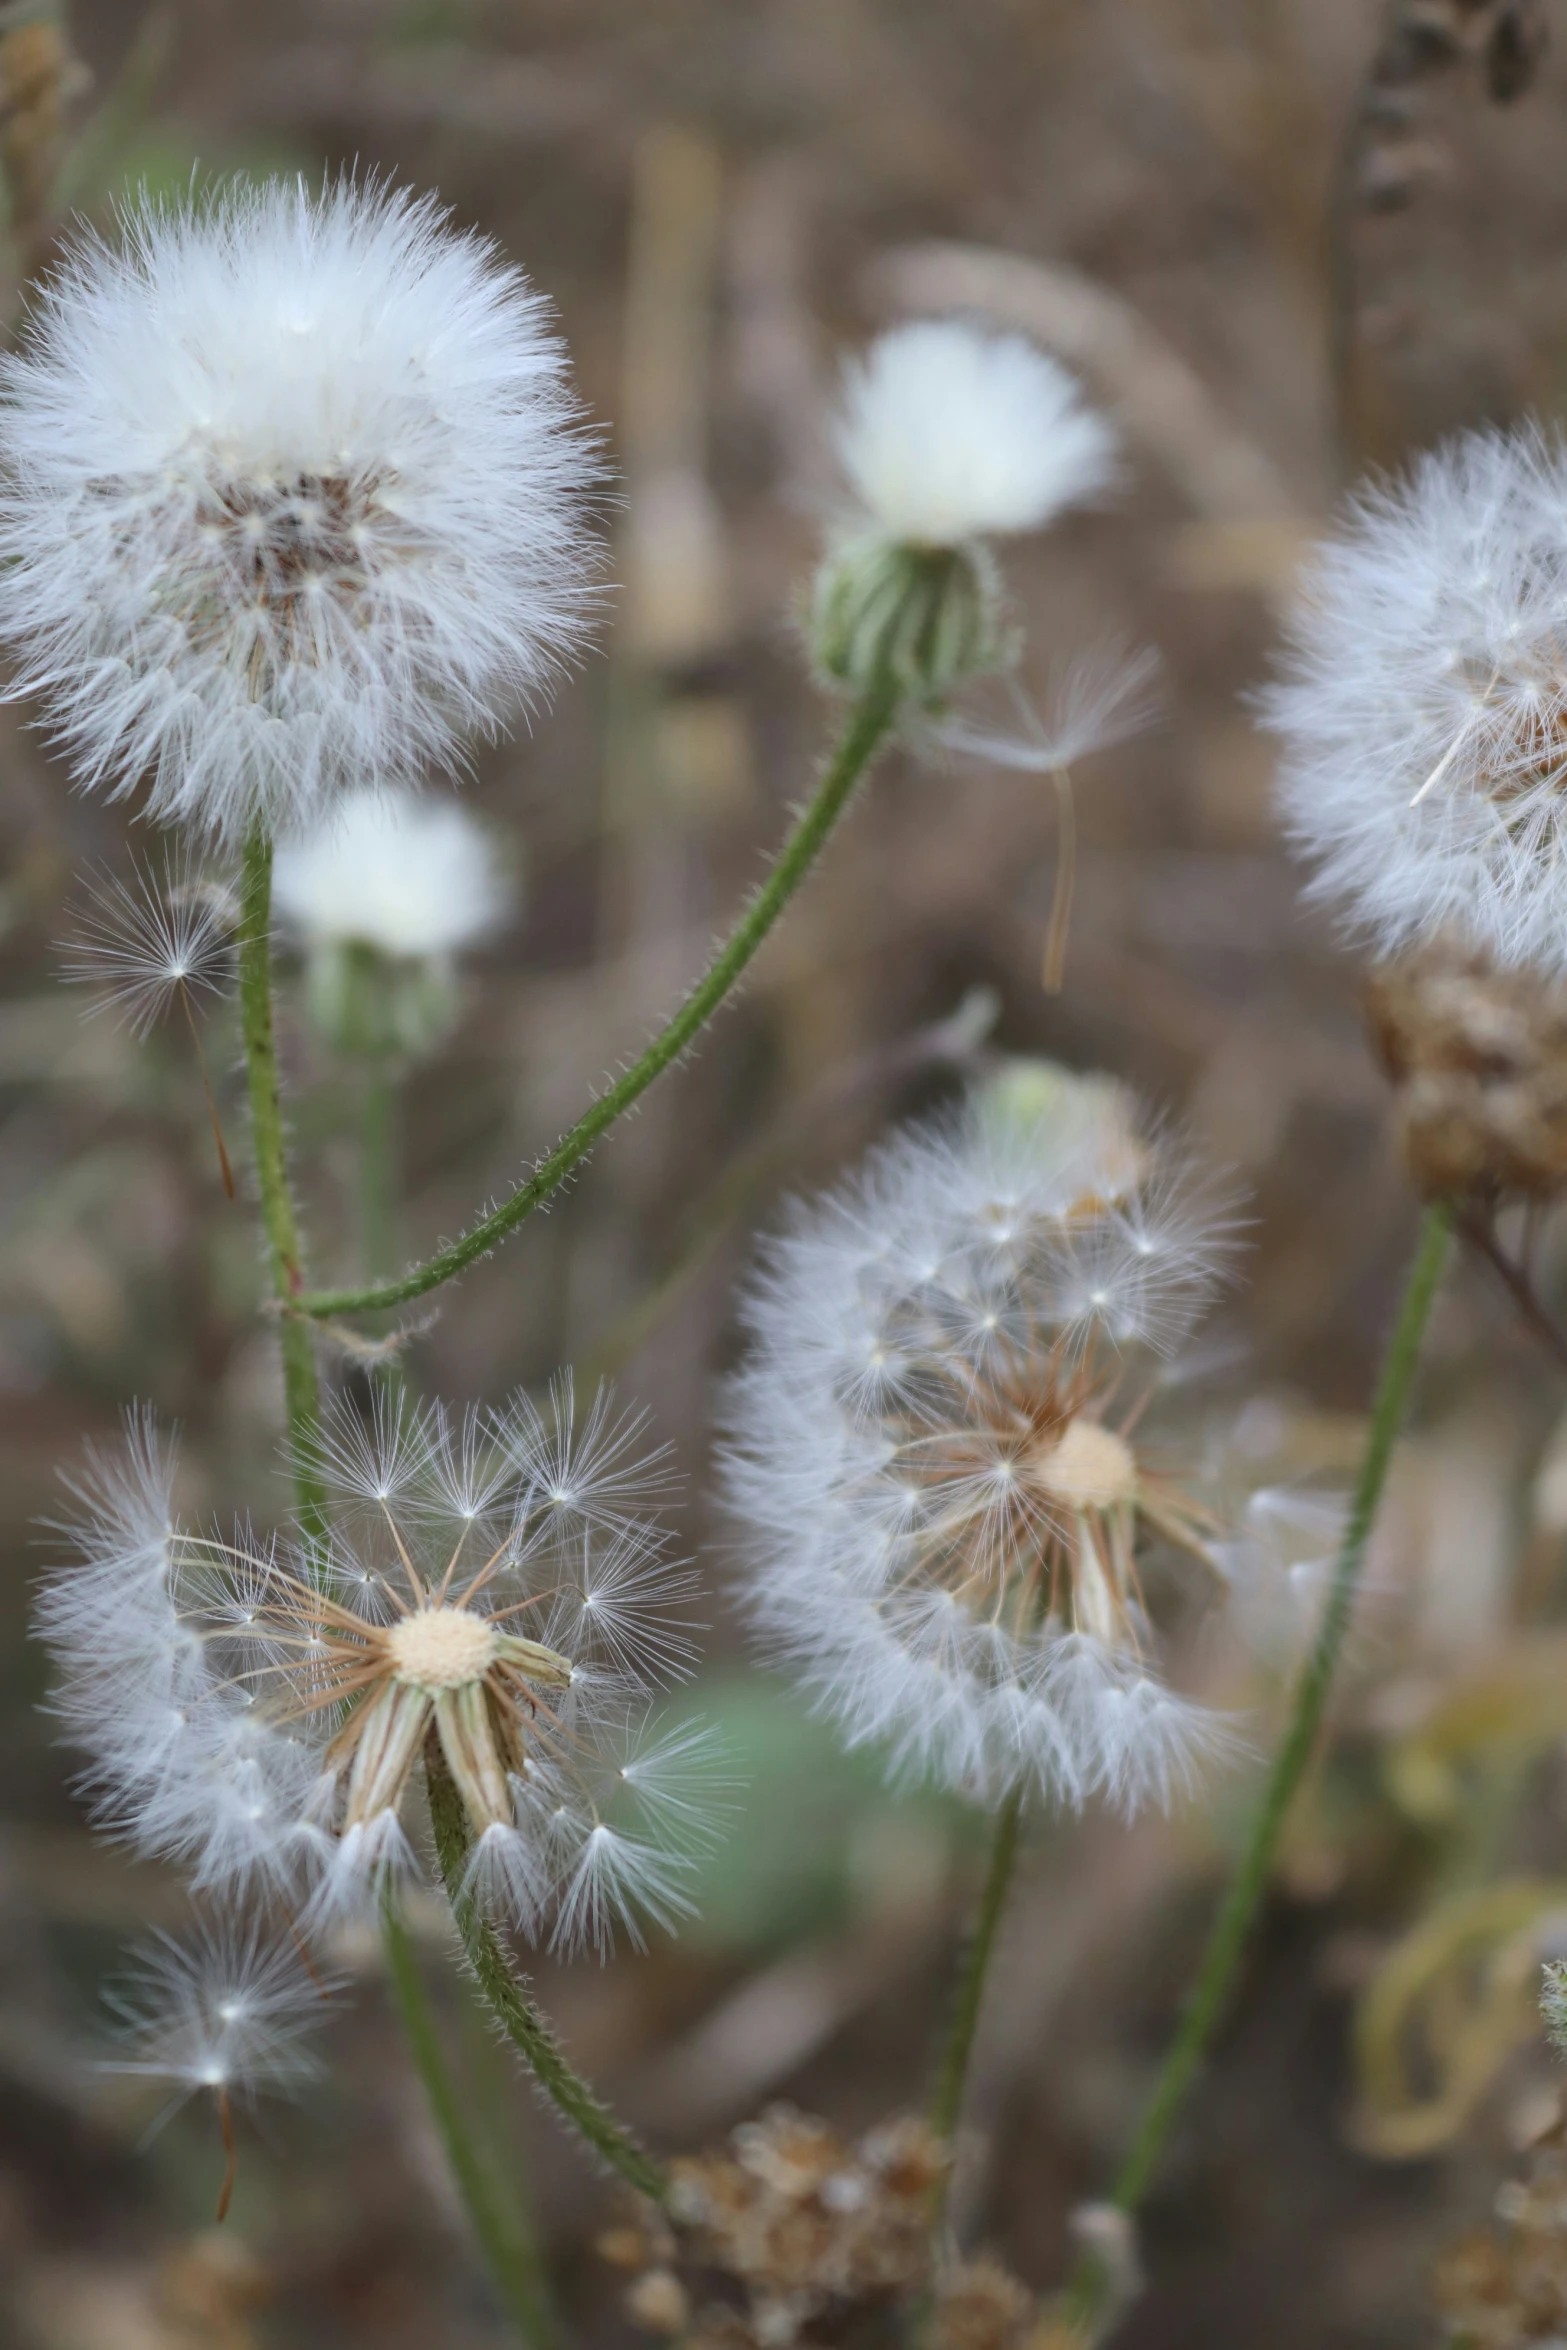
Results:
x,y
1478,1060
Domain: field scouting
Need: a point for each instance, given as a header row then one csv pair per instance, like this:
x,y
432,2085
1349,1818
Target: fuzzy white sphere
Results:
x,y
1423,705
948,434
412,877
290,498
951,1519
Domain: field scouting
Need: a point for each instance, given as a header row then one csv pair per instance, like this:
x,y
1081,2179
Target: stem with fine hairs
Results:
x,y
870,722
1231,1932
507,2251
285,1259
513,2009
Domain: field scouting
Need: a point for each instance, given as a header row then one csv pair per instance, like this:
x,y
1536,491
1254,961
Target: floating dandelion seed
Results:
x,y
950,1504
258,1709
1102,698
151,942
227,2014
291,500
1423,705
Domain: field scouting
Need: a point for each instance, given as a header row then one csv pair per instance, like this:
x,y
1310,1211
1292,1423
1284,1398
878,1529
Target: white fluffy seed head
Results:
x,y
1422,707
947,434
290,498
410,876
954,1526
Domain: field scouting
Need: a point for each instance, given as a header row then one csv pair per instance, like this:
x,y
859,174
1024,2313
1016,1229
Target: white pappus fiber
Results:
x,y
953,1516
1422,706
290,498
409,875
947,433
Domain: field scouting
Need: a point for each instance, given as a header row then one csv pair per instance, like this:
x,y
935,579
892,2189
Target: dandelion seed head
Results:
x,y
256,1709
1422,705
290,499
958,1564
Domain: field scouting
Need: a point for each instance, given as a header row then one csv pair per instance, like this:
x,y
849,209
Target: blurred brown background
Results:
x,y
1277,238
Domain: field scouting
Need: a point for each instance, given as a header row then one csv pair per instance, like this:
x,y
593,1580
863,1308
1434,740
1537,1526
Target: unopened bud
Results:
x,y
918,619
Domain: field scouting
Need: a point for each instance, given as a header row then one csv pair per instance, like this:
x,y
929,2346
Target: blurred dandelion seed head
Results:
x,y
410,876
291,499
947,433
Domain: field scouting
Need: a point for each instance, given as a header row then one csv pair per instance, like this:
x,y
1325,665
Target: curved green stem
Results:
x,y
1238,1910
515,2011
868,726
285,1260
507,2252
957,2047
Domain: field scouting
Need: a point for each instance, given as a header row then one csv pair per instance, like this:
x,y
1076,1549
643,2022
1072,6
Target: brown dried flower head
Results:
x,y
1478,1060
1508,2288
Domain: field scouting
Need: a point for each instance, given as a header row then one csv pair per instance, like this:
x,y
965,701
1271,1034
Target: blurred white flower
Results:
x,y
1423,705
948,433
256,1708
290,498
409,876
951,1508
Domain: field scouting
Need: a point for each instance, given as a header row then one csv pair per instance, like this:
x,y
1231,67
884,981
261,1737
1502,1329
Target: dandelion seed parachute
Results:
x,y
290,499
947,1499
226,2010
257,1709
1422,705
145,940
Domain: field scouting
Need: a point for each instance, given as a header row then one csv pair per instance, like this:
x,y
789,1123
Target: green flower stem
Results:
x,y
378,1168
869,724
285,1262
507,2251
958,2046
515,2011
1238,1910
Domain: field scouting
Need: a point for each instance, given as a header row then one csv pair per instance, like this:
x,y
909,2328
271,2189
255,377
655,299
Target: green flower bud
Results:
x,y
920,618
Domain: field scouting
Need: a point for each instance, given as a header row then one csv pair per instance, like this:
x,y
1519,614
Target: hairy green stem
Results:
x,y
285,1262
957,2047
1248,1886
515,2011
868,726
507,2251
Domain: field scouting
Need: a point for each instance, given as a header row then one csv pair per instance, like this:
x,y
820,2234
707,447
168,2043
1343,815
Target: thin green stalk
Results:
x,y
508,2254
302,1397
515,2011
869,724
378,1169
958,2045
1248,1886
